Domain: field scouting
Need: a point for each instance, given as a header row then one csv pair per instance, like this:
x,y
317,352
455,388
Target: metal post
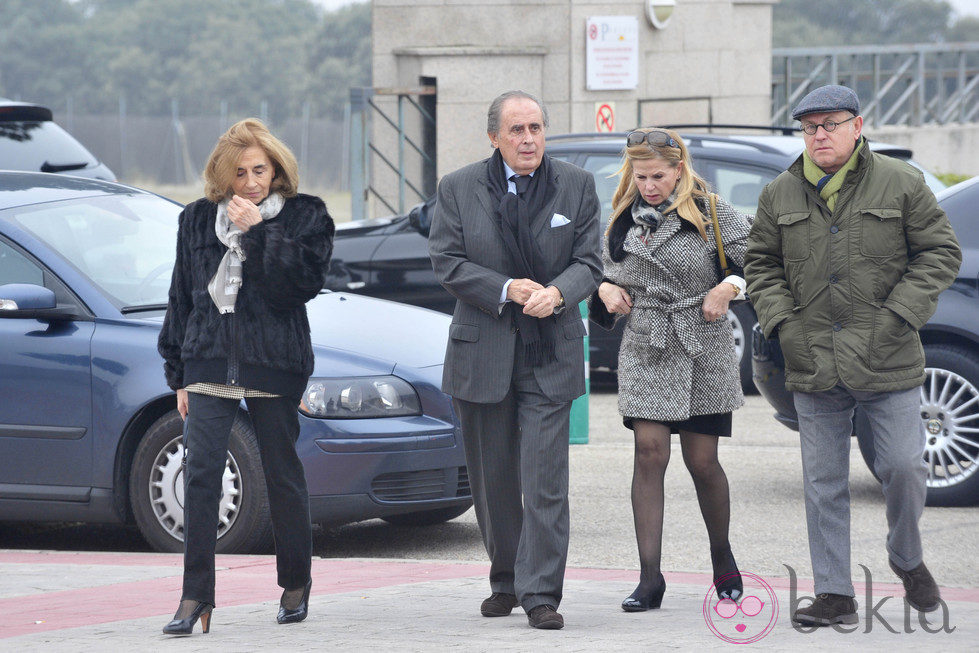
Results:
x,y
961,75
834,69
264,111
175,133
122,136
876,93
401,153
359,108
304,139
920,73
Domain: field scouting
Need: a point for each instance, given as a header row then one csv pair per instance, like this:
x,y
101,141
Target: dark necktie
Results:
x,y
521,182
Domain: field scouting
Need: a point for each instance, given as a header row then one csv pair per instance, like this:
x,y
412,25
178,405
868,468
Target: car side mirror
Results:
x,y
420,217
27,300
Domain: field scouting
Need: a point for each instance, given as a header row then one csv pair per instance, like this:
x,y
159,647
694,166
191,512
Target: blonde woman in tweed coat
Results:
x,y
677,368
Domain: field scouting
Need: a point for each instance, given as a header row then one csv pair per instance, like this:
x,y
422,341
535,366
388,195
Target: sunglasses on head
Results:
x,y
655,138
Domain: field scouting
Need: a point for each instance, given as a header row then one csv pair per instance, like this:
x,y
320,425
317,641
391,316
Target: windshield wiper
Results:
x,y
139,308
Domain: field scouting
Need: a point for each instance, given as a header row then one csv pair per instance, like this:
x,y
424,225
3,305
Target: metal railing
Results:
x,y
365,104
897,84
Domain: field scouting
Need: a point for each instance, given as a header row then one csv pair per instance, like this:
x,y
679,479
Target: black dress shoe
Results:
x,y
727,578
545,617
499,604
297,614
646,599
185,625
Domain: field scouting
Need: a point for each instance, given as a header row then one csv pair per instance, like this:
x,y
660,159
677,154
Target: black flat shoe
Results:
x,y
297,614
640,601
185,626
727,578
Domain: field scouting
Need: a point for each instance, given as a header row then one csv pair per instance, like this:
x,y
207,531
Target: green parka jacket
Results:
x,y
847,290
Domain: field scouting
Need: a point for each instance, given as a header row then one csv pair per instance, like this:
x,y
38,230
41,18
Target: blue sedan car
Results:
x,y
89,430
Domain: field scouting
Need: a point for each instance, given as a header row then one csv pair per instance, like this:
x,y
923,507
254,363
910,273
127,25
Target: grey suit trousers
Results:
x,y
517,453
825,424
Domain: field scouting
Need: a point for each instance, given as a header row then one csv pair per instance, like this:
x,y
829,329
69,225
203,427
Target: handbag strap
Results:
x,y
725,270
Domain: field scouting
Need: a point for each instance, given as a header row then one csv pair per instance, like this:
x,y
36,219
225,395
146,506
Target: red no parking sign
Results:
x,y
604,117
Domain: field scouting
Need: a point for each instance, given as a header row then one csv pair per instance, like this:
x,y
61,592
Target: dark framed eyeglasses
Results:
x,y
828,125
656,138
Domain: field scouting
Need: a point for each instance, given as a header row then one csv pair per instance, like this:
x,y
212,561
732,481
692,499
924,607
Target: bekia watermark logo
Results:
x,y
753,614
872,612
747,619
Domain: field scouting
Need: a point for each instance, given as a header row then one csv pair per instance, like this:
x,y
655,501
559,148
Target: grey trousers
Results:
x,y
517,454
825,425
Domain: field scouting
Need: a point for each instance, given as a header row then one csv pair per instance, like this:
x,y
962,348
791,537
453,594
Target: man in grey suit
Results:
x,y
515,240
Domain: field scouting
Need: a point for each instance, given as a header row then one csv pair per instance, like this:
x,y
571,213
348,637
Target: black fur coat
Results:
x,y
265,343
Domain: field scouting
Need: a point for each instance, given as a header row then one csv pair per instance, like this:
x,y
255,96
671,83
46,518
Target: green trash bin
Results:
x,y
579,407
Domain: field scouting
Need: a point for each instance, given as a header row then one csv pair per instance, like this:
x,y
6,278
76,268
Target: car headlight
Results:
x,y
360,398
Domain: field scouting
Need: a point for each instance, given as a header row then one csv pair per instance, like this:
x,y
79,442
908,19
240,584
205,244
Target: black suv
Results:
x,y
388,257
30,140
950,394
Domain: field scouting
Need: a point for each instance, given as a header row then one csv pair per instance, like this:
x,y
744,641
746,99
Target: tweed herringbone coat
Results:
x,y
673,363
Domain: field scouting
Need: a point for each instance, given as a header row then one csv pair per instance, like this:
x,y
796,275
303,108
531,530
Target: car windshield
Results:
x,y
124,244
28,145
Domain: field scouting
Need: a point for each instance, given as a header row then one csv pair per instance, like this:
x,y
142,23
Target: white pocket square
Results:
x,y
558,220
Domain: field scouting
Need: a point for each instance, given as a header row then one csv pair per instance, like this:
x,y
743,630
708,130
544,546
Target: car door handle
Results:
x,y
355,285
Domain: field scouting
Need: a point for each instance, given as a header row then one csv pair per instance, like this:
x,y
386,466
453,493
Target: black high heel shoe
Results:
x,y
727,578
641,601
297,614
185,626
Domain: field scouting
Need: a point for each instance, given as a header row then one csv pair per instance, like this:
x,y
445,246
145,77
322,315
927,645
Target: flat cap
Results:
x,y
827,99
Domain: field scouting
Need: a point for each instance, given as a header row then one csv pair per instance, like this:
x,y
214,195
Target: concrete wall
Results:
x,y
948,148
715,50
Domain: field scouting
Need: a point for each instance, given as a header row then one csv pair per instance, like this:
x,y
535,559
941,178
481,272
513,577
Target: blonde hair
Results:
x,y
222,165
689,187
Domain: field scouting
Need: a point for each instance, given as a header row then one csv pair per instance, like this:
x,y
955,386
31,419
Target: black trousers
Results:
x,y
206,434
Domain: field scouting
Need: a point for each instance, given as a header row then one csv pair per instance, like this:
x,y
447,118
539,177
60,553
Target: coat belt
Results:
x,y
684,317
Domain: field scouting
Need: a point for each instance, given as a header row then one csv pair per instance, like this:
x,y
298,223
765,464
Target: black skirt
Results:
x,y
717,424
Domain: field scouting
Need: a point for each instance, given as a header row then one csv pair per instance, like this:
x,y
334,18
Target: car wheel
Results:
x,y
742,318
950,417
156,490
427,517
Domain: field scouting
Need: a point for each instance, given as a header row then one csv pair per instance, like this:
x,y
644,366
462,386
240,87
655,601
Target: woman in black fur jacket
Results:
x,y
250,254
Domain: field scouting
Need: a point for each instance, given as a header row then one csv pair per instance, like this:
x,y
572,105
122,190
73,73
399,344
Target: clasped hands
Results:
x,y
243,213
537,301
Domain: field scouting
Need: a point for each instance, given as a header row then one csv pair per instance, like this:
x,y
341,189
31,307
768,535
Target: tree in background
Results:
x,y
803,23
199,52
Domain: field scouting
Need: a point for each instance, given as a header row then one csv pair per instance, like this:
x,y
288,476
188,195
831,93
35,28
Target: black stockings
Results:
x,y
651,459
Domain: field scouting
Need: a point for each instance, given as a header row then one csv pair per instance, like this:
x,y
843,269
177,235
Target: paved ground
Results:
x,y
407,589
113,602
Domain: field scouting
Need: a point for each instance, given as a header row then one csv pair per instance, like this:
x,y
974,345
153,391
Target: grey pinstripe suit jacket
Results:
x,y
470,261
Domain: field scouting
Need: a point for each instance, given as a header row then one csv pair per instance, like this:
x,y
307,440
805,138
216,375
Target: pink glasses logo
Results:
x,y
747,619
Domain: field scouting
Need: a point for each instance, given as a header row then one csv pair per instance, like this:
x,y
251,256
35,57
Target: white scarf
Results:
x,y
227,280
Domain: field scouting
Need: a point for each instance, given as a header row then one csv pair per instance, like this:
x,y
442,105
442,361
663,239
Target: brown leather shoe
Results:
x,y
545,617
920,588
828,609
499,604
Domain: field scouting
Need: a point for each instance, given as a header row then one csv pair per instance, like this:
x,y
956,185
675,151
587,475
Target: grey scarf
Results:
x,y
227,280
649,217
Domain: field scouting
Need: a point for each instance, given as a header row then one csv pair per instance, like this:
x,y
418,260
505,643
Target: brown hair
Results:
x,y
689,187
222,165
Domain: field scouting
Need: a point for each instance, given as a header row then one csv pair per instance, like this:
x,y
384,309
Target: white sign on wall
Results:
x,y
611,53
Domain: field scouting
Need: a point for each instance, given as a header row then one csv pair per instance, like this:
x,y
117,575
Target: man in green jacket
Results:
x,y
847,256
